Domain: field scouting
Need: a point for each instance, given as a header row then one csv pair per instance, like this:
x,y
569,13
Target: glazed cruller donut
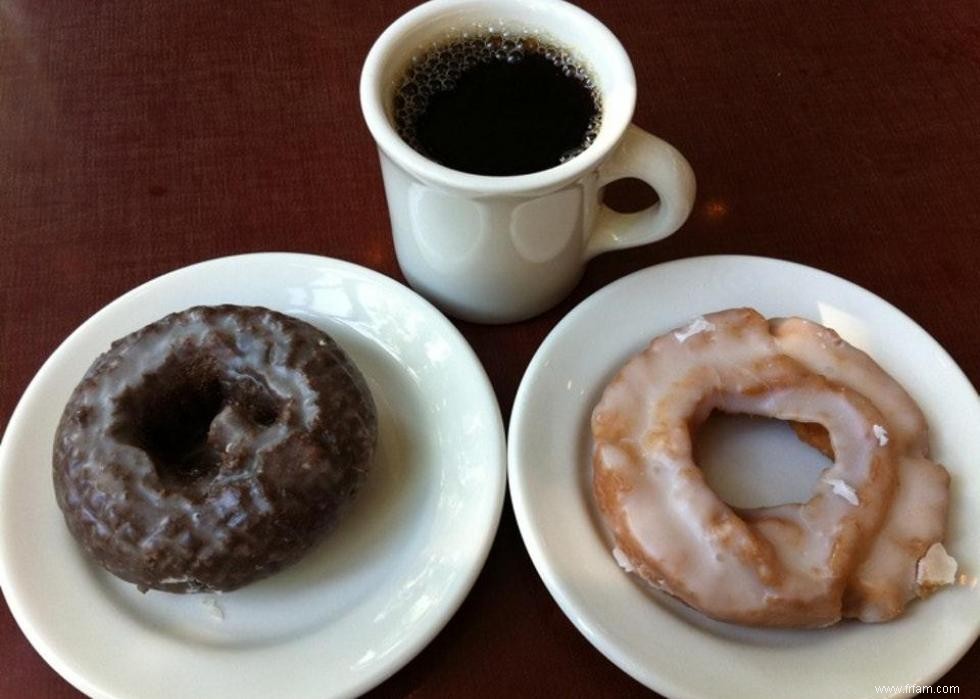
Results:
x,y
866,542
212,448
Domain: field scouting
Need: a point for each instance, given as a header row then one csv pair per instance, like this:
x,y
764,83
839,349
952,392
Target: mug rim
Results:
x,y
433,173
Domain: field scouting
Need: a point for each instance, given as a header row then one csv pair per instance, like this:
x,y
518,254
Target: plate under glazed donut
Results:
x,y
358,607
660,642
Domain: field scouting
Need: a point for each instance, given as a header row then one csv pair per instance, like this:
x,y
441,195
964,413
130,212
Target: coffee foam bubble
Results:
x,y
438,68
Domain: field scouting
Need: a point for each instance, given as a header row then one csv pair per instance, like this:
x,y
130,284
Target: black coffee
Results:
x,y
497,105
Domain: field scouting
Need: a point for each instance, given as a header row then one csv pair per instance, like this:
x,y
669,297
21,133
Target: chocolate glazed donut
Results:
x,y
212,448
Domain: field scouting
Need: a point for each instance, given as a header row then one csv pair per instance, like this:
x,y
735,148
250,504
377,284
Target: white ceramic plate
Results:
x,y
658,641
359,606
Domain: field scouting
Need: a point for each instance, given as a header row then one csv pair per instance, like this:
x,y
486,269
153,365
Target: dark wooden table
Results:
x,y
137,137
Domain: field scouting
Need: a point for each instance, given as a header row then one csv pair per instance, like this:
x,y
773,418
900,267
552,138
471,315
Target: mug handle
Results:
x,y
660,165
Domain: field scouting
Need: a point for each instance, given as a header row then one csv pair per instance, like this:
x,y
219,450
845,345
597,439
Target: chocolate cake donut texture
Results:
x,y
212,448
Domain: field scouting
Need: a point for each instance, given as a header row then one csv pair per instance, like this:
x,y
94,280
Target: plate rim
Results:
x,y
496,466
521,499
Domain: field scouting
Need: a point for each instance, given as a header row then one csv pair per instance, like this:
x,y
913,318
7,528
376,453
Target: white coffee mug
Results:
x,y
501,249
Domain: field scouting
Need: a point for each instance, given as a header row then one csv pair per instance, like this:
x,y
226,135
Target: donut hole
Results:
x,y
751,461
170,414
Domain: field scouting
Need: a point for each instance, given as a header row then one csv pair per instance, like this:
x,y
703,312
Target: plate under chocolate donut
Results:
x,y
358,606
212,448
